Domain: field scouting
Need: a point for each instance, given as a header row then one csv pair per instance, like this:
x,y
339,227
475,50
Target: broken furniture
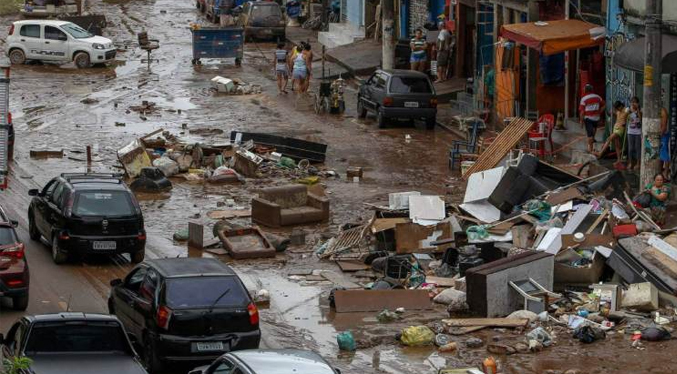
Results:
x,y
133,158
628,262
289,205
148,45
295,149
536,297
488,286
469,146
245,243
540,135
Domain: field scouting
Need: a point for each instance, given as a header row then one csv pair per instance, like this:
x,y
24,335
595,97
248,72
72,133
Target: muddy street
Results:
x,y
64,108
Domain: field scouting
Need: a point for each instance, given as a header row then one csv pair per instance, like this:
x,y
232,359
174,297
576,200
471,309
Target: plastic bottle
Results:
x,y
489,366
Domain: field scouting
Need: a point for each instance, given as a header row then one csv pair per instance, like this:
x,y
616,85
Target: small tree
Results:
x,y
16,365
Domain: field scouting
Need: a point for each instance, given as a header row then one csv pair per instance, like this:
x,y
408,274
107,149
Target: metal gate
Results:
x,y
4,122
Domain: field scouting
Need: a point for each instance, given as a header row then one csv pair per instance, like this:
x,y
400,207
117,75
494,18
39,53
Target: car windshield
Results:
x,y
77,336
265,11
76,31
7,236
406,85
203,292
103,203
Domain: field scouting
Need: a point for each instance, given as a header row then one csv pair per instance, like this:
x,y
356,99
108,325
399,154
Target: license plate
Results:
x,y
104,245
411,104
213,346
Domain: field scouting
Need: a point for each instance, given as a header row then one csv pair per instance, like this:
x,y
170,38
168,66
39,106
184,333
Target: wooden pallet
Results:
x,y
502,144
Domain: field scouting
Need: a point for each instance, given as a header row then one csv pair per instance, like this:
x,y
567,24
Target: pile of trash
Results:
x,y
532,248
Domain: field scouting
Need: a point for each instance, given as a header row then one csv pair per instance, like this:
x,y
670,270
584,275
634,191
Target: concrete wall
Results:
x,y
637,8
418,14
355,12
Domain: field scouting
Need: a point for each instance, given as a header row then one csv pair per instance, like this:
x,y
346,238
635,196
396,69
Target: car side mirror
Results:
x,y
115,282
15,223
33,192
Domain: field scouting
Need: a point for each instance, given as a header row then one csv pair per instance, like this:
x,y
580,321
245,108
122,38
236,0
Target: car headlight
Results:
x,y
98,46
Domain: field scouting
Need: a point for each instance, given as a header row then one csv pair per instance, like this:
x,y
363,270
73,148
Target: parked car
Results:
x,y
278,361
262,20
14,275
185,309
87,214
57,41
398,94
73,343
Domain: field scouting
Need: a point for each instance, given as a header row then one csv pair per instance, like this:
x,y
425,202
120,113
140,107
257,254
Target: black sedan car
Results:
x,y
14,275
185,310
87,214
398,94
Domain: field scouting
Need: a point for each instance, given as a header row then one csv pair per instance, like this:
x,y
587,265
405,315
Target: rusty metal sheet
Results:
x,y
377,300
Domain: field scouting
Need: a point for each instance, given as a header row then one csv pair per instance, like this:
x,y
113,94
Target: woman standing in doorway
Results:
x,y
634,134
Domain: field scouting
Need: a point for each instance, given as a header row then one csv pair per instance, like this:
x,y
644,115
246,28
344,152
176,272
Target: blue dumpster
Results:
x,y
217,42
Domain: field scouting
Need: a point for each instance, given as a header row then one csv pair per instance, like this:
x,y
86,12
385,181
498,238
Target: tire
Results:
x,y
430,123
17,57
82,60
33,231
150,359
361,110
138,256
20,302
58,255
381,119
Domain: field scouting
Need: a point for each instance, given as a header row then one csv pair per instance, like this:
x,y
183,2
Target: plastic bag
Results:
x,y
476,233
540,335
346,342
588,334
168,166
417,336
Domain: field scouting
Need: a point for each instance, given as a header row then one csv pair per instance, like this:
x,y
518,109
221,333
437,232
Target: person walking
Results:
x,y
590,111
664,154
300,72
443,47
292,58
634,134
618,132
281,68
418,51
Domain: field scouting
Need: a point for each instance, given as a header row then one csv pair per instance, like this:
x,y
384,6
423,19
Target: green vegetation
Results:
x,y
10,6
15,365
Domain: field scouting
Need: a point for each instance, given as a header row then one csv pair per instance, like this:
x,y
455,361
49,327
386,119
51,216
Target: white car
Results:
x,y
57,41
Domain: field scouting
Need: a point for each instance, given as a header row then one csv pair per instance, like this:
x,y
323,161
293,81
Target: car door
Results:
x,y
378,91
41,208
55,44
14,341
367,91
145,304
125,296
54,217
30,36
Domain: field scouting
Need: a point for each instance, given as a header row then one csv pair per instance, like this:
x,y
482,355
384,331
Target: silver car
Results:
x,y
264,361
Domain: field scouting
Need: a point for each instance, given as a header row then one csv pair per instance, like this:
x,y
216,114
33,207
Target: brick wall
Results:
x,y
418,14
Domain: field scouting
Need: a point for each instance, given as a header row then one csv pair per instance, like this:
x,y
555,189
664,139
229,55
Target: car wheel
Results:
x,y
17,57
361,110
138,256
150,357
20,302
33,232
58,255
381,119
430,123
82,60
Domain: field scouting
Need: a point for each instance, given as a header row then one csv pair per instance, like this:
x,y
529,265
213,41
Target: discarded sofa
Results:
x,y
288,205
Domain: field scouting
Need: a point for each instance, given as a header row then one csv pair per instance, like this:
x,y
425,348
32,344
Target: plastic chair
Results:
x,y
541,134
463,147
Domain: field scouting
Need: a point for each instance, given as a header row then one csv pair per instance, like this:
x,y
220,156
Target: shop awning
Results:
x,y
630,55
554,37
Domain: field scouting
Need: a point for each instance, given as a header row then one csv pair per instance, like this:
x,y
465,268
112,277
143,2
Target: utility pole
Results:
x,y
388,11
651,119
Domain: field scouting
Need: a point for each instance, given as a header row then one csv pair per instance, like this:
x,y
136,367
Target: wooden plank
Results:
x,y
229,213
504,142
464,330
597,221
377,300
661,261
486,322
351,266
441,281
409,237
383,224
557,198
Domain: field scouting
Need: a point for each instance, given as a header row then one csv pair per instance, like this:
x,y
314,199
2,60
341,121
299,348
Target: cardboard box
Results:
x,y
567,275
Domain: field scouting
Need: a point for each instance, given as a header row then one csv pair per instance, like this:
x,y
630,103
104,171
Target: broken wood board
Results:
x,y
502,228
664,247
133,158
561,197
229,213
352,266
413,238
590,241
486,322
441,281
383,224
569,228
661,261
504,142
339,280
217,251
46,154
376,300
464,330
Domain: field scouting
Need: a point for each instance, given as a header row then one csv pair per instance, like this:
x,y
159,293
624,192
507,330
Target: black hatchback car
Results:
x,y
185,310
87,214
398,94
14,275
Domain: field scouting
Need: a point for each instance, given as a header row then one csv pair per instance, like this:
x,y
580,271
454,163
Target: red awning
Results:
x,y
554,37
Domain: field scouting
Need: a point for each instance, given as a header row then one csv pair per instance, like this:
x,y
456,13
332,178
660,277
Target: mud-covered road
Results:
x,y
49,114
